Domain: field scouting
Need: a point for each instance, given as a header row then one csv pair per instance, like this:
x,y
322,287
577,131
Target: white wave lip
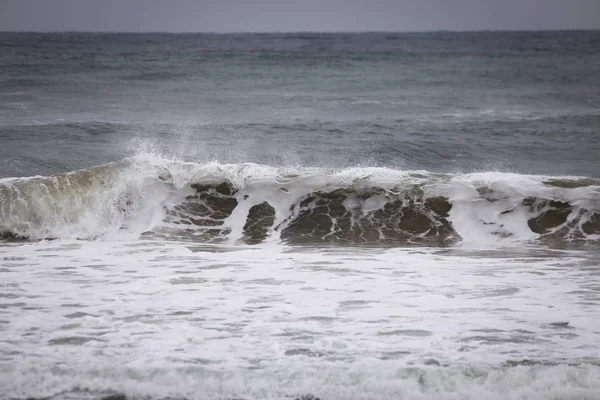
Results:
x,y
133,196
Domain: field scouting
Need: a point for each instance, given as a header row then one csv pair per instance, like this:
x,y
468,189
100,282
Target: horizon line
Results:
x,y
306,31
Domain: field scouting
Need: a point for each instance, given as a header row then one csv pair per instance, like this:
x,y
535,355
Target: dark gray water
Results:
x,y
446,102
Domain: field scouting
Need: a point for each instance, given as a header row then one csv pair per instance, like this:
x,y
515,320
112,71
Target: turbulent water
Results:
x,y
250,203
300,216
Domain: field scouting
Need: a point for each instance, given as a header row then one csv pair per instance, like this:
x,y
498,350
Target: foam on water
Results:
x,y
157,320
369,379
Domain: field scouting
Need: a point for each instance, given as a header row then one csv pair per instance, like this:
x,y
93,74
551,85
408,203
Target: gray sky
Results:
x,y
299,15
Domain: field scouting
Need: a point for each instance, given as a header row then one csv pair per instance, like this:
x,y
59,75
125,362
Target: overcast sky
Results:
x,y
298,15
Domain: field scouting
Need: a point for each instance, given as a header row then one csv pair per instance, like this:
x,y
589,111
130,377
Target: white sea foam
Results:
x,y
154,319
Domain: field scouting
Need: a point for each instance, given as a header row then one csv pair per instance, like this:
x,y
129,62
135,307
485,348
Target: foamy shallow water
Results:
x,y
163,319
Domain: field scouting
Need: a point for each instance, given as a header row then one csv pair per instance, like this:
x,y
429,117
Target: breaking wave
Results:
x,y
249,203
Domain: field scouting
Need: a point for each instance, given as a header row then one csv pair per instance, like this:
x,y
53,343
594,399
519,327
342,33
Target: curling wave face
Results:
x,y
248,203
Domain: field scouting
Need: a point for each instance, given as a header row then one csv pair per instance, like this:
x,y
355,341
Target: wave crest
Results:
x,y
249,203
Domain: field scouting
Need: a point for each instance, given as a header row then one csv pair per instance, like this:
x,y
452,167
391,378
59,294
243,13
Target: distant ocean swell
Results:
x,y
248,203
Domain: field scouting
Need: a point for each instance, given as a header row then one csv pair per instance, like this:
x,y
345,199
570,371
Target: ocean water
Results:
x,y
300,216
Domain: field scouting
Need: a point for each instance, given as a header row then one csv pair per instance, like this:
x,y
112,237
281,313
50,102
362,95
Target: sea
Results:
x,y
300,216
